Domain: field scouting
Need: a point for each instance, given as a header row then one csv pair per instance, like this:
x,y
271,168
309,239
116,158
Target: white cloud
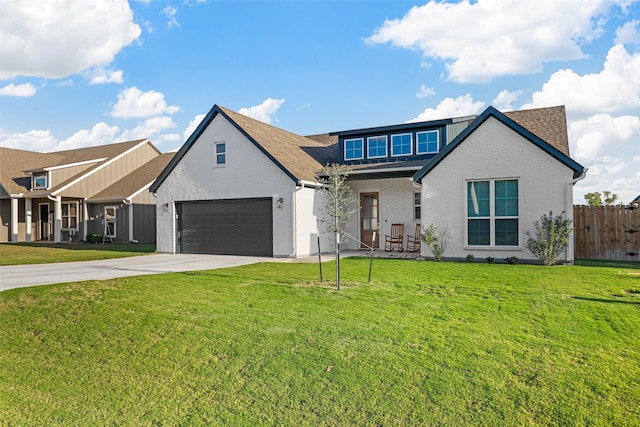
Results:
x,y
132,102
24,89
100,134
55,39
160,123
629,33
171,13
33,140
494,38
609,147
264,111
425,91
449,107
170,137
193,124
100,74
505,98
616,88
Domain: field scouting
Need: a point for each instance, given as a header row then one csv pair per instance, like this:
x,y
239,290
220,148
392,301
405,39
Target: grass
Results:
x,y
424,344
43,253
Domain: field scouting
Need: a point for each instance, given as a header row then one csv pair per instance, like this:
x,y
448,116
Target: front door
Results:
x,y
369,214
44,221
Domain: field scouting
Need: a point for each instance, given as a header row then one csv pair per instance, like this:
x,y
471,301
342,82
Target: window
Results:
x,y
110,221
70,216
401,145
492,213
427,142
416,206
39,181
220,153
377,147
353,149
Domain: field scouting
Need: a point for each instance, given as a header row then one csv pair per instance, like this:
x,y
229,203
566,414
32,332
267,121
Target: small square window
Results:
x,y
401,145
220,153
377,147
39,181
427,142
353,149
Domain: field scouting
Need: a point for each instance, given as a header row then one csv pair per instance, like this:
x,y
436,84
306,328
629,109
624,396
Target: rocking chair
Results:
x,y
395,239
413,242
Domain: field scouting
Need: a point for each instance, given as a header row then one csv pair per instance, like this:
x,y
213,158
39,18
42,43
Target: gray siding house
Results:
x,y
62,196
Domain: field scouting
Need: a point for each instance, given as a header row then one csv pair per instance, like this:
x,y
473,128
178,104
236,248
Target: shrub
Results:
x,y
470,258
550,238
436,237
512,260
490,259
94,238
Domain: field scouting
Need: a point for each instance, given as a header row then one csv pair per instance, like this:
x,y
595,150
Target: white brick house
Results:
x,y
240,186
491,183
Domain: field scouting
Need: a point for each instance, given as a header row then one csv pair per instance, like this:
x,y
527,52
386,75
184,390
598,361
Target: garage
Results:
x,y
226,227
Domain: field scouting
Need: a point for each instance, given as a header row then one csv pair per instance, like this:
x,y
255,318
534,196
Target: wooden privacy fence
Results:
x,y
606,233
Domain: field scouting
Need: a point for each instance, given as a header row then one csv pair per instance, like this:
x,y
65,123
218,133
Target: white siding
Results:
x,y
494,151
248,173
396,206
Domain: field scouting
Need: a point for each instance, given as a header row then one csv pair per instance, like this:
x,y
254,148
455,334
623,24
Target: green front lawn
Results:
x,y
44,253
424,344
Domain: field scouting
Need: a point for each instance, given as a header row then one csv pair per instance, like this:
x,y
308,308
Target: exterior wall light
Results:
x,y
279,203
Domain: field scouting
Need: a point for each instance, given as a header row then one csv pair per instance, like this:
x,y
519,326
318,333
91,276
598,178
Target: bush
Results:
x,y
94,238
490,259
436,237
512,260
550,238
470,258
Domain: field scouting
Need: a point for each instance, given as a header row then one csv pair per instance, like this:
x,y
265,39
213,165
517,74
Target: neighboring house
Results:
x,y
64,195
636,201
240,186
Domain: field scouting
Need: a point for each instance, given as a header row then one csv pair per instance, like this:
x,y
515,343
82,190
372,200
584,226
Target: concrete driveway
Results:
x,y
19,276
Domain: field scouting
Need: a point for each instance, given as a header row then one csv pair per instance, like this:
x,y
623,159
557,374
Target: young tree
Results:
x,y
437,238
550,238
340,205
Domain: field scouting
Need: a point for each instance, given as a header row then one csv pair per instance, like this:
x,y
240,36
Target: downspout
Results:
x,y
570,249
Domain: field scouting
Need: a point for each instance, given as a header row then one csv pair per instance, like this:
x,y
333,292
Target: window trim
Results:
x,y
417,205
410,153
216,162
386,147
69,216
344,148
437,142
492,216
35,175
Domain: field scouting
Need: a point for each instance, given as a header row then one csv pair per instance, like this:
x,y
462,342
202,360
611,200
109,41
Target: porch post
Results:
x,y
85,223
57,220
28,218
131,222
14,219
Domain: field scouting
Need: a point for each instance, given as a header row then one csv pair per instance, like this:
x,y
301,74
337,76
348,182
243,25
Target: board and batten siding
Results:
x,y
106,176
494,151
58,176
248,173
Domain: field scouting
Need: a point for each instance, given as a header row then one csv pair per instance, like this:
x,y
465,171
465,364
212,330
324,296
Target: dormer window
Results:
x,y
39,181
401,145
376,147
354,149
427,142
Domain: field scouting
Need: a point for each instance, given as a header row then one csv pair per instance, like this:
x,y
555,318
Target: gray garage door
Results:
x,y
226,227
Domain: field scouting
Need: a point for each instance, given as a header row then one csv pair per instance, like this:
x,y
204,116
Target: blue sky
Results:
x,y
81,73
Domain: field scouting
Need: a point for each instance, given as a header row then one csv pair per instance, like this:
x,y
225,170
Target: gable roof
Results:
x,y
137,181
636,200
516,127
548,123
297,156
17,165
